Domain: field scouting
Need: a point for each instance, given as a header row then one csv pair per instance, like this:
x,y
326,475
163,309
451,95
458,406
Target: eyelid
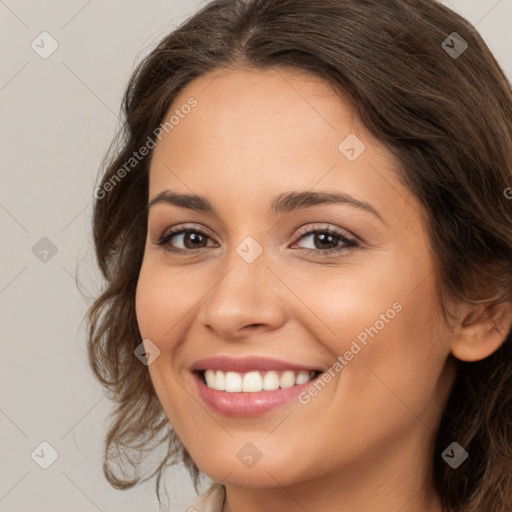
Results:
x,y
179,228
324,226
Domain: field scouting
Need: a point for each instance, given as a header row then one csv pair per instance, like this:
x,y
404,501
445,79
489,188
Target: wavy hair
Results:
x,y
446,117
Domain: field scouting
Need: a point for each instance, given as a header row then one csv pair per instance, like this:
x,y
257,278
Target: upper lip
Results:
x,y
246,364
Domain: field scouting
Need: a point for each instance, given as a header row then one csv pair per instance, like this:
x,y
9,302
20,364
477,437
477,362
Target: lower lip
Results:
x,y
243,405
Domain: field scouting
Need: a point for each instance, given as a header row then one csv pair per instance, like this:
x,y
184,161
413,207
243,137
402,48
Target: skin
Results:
x,y
363,443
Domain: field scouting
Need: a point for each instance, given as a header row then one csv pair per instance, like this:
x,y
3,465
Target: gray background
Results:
x,y
58,116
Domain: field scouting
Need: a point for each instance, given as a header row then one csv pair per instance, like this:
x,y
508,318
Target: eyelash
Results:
x,y
349,244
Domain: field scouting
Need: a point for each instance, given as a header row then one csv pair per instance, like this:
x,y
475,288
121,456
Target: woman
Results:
x,y
306,237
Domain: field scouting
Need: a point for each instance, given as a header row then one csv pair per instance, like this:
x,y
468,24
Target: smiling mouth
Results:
x,y
255,381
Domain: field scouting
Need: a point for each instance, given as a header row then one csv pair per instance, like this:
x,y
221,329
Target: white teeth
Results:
x,y
254,381
302,377
220,382
287,380
233,382
270,381
209,375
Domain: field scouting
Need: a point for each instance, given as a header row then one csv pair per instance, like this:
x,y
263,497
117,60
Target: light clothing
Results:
x,y
210,501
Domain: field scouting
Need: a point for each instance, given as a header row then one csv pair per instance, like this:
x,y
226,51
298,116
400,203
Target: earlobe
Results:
x,y
482,331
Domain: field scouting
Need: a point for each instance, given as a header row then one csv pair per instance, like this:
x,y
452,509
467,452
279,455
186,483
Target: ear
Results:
x,y
482,331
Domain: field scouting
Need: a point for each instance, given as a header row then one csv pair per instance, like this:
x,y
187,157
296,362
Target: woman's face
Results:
x,y
276,278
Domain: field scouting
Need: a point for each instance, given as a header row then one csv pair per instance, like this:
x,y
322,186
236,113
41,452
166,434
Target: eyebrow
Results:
x,y
282,203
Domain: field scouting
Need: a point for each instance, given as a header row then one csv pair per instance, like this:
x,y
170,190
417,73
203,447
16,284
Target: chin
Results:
x,y
228,469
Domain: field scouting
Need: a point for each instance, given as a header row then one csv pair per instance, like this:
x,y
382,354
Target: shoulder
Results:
x,y
210,501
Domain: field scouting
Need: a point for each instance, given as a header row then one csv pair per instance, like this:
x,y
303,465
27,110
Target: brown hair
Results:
x,y
448,120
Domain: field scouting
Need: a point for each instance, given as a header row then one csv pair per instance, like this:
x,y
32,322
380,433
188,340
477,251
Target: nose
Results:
x,y
248,297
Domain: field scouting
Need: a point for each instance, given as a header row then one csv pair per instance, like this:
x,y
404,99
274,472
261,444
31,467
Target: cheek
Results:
x,y
384,323
158,309
147,303
160,304
345,304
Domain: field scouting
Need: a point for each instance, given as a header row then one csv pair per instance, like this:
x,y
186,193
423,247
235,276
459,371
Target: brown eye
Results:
x,y
327,241
184,240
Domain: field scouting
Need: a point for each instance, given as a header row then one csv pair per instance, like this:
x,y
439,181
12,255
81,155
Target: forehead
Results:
x,y
258,132
259,102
